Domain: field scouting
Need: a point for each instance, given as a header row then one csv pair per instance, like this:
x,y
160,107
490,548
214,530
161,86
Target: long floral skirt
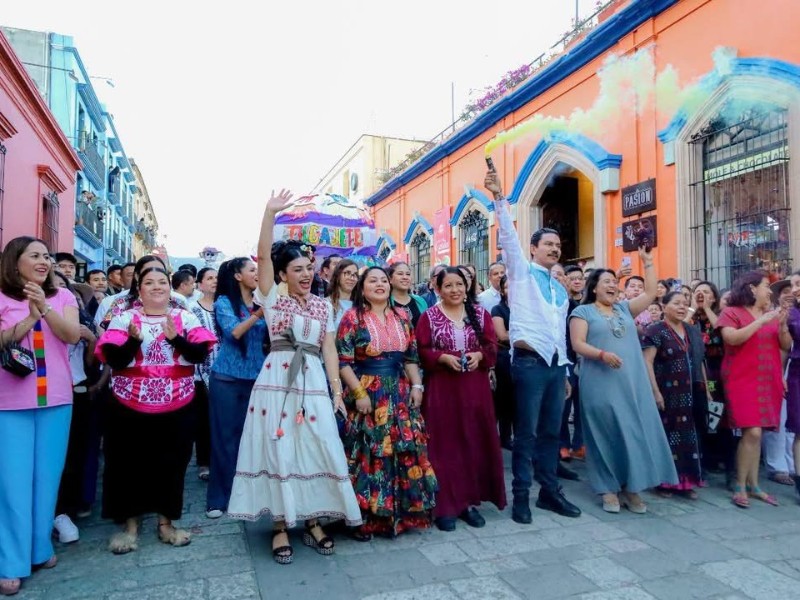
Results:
x,y
387,457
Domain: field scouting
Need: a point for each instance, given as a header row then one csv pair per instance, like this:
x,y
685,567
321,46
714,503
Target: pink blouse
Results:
x,y
20,393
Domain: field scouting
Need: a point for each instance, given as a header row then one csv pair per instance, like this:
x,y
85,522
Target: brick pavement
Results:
x,y
680,550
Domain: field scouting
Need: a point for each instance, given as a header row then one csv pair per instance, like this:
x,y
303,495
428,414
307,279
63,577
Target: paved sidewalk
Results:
x,y
216,565
680,550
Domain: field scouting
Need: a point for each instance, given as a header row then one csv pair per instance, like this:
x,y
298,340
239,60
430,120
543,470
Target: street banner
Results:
x,y
441,236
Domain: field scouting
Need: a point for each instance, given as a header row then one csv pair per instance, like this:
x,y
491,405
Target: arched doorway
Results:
x,y
562,185
567,205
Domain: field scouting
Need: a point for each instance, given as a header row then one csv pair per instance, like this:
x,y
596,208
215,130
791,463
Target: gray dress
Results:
x,y
626,447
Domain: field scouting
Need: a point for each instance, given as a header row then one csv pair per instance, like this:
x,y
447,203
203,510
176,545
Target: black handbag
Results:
x,y
17,359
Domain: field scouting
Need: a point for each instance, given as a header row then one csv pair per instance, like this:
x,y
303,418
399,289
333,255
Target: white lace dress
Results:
x,y
291,463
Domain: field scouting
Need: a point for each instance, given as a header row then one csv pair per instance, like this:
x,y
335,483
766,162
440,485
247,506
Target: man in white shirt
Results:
x,y
490,297
537,332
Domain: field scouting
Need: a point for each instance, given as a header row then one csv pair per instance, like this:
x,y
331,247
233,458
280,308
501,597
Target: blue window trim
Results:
x,y
385,238
417,221
600,39
599,156
472,194
763,67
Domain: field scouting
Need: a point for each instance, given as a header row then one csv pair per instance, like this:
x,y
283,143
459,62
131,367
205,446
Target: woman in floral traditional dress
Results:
x,y
457,344
384,435
291,465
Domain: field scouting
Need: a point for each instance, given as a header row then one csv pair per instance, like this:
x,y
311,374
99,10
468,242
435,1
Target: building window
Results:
x,y
740,216
50,220
2,187
420,247
474,234
384,252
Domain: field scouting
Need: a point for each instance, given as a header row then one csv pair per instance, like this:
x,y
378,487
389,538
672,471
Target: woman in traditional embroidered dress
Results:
x,y
457,345
35,409
752,377
384,435
203,309
152,351
400,278
671,354
340,288
291,464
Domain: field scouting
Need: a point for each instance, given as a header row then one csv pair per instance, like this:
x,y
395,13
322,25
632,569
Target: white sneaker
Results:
x,y
214,513
67,530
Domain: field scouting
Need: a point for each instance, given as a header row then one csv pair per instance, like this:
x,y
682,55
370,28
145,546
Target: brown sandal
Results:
x,y
283,555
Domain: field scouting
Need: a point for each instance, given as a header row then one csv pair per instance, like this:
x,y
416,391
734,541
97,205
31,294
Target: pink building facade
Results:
x,y
37,163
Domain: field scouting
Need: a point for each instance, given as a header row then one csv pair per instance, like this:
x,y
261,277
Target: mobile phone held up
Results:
x,y
490,164
626,262
645,236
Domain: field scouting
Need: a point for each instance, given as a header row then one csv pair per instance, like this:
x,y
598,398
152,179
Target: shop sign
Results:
x,y
638,231
639,198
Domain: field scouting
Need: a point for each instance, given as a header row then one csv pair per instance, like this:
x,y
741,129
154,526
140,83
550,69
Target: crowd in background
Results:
x,y
342,393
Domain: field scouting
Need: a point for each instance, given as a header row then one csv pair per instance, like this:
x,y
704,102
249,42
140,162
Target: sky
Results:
x,y
221,102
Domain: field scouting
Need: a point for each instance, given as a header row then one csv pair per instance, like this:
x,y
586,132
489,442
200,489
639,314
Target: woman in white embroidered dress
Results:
x,y
291,463
152,351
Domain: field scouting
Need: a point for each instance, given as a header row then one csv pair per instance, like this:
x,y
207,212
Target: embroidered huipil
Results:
x,y
538,302
159,379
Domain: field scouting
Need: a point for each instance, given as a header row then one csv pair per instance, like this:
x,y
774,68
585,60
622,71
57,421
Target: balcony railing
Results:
x,y
93,164
86,221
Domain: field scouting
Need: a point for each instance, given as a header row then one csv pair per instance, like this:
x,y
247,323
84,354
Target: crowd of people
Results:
x,y
341,398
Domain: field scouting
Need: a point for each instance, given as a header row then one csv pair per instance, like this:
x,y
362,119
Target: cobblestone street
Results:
x,y
680,550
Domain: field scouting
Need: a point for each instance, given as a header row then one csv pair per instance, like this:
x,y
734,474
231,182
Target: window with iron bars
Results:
x,y
420,257
474,236
2,187
384,252
49,232
740,210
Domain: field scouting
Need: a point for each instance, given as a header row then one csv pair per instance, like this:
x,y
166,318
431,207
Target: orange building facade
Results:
x,y
708,164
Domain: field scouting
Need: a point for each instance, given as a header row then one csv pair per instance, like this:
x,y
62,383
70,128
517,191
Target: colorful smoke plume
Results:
x,y
626,83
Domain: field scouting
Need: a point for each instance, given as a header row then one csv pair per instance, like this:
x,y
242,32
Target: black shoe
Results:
x,y
563,472
446,523
796,482
472,518
521,510
556,502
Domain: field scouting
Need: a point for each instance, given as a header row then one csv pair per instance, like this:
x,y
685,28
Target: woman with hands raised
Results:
x,y
291,464
626,447
754,335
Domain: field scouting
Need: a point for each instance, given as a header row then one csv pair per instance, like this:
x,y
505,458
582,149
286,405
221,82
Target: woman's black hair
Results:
x,y
589,294
284,252
669,296
133,293
360,302
503,295
202,273
714,290
228,287
394,266
469,306
84,318
472,290
741,294
149,270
